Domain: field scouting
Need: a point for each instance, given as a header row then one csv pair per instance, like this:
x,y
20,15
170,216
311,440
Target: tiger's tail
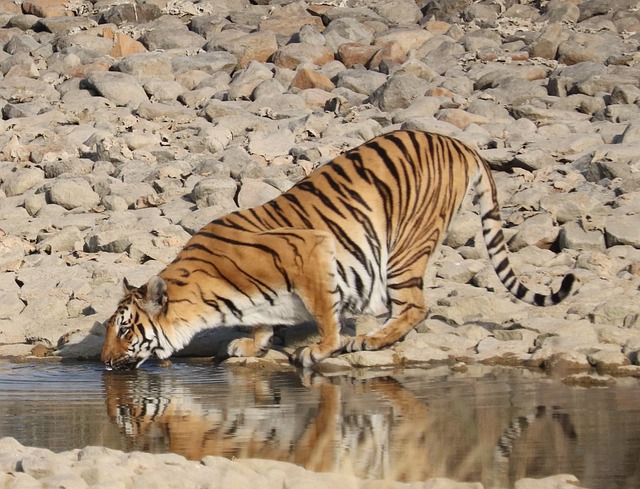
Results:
x,y
496,246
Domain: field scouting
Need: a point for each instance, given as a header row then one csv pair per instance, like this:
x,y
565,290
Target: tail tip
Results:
x,y
565,288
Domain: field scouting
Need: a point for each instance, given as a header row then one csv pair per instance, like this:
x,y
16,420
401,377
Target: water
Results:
x,y
491,426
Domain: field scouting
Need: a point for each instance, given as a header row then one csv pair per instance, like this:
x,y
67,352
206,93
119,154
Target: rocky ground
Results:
x,y
126,126
104,468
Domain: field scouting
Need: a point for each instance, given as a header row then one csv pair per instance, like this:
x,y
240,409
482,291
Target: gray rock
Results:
x,y
12,306
198,97
245,82
361,359
584,47
20,88
210,63
68,239
163,90
70,167
361,81
483,15
166,38
256,46
72,193
623,230
608,359
398,11
271,145
147,66
194,221
546,116
18,182
27,109
114,241
22,44
463,229
546,43
446,55
571,207
97,45
399,92
617,311
163,112
422,107
562,362
214,191
294,54
456,269
345,29
538,230
131,13
573,236
560,11
513,90
122,89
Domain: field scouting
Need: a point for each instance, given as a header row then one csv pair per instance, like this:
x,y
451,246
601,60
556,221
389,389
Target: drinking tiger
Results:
x,y
355,235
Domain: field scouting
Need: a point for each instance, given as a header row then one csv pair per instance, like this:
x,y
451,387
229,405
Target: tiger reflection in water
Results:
x,y
374,428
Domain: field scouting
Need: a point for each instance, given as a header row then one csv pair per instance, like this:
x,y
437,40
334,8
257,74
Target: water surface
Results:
x,y
493,427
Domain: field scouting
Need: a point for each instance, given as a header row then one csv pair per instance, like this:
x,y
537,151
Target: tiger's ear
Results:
x,y
126,286
156,295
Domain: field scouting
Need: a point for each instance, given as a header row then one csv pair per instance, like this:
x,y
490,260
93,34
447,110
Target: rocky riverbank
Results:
x,y
128,126
104,468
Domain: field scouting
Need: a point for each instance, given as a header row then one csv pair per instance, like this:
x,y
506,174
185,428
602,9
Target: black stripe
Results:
x,y
299,209
281,213
502,266
384,156
358,283
326,201
355,156
496,242
415,282
492,214
339,171
266,249
384,192
347,243
231,306
258,284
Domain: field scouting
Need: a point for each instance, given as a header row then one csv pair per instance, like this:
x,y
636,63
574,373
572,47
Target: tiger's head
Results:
x,y
134,332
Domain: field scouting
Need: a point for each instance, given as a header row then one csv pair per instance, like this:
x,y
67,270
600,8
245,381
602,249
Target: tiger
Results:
x,y
354,236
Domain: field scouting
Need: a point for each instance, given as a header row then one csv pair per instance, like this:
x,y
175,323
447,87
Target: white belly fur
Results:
x,y
286,310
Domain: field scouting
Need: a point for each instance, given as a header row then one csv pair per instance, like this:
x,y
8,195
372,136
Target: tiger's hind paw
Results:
x,y
245,347
308,355
358,343
302,357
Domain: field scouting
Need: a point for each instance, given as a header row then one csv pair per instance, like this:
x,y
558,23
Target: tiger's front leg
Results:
x,y
317,287
255,346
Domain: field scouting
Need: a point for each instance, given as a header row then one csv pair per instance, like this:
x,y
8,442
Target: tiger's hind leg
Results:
x,y
255,346
407,308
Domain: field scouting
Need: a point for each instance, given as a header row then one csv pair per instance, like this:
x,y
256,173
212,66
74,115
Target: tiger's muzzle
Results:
x,y
123,363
